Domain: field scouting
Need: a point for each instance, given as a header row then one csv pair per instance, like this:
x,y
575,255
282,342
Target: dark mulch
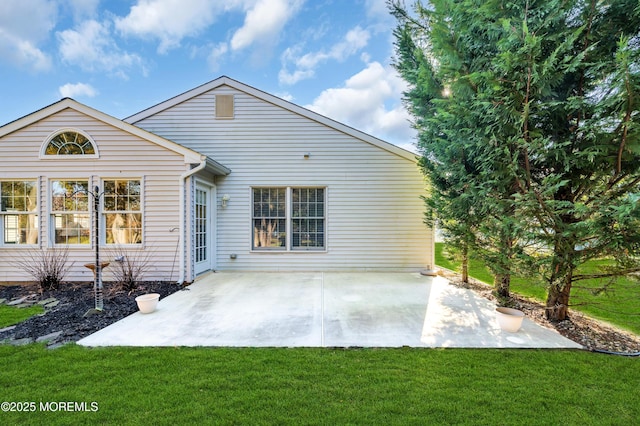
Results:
x,y
75,299
592,334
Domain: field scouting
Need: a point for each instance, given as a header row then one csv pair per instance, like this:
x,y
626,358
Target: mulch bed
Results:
x,y
592,334
68,316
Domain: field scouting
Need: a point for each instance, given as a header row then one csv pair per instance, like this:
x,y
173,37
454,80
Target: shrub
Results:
x,y
48,267
128,267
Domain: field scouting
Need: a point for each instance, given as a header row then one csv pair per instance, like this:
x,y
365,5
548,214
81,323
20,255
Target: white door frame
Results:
x,y
210,228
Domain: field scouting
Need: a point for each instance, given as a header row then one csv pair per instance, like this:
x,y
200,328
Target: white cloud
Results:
x,y
92,48
170,20
370,101
79,89
285,95
82,9
264,22
377,9
216,56
305,65
23,25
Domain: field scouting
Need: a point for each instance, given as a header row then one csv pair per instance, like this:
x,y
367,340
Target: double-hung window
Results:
x,y
18,211
289,219
307,218
122,211
269,218
70,216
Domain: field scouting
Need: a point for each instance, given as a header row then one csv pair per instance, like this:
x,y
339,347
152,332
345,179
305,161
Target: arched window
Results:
x,y
69,142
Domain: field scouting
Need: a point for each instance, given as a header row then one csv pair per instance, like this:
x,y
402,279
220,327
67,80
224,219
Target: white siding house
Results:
x,y
373,214
69,147
222,177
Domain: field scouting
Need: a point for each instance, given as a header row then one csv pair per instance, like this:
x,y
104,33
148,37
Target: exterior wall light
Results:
x,y
225,198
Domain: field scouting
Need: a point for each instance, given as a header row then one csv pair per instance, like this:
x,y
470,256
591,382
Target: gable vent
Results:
x,y
224,106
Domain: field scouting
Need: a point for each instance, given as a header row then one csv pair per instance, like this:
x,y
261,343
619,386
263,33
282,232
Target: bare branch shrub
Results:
x,y
128,267
48,267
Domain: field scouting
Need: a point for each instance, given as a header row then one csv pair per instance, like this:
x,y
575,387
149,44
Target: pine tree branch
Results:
x,y
619,273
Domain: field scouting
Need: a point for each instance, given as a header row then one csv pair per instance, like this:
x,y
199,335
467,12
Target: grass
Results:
x,y
320,386
10,315
620,305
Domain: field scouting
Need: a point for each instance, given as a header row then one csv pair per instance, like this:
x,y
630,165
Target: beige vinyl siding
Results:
x,y
122,155
374,214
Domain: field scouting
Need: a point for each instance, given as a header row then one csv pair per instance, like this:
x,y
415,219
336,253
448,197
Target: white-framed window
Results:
x,y
122,211
269,218
307,218
18,212
288,219
70,216
68,143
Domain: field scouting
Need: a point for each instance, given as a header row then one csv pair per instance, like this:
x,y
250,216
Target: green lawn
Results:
x,y
315,386
10,315
620,305
320,386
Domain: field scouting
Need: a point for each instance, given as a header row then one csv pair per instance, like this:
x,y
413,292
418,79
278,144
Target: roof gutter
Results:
x,y
183,229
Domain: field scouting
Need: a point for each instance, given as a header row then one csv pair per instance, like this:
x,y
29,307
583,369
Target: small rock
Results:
x,y
52,304
92,311
17,301
57,345
47,301
21,342
49,337
9,328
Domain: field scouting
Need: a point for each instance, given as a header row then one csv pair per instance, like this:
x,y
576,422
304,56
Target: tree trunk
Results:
x,y
502,284
557,306
558,302
502,269
465,264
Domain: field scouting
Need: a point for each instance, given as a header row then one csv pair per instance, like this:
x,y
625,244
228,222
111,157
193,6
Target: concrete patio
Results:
x,y
323,309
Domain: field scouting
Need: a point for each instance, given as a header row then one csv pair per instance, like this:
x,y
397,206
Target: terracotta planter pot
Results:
x,y
147,302
509,319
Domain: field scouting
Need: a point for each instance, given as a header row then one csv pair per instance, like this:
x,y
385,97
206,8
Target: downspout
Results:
x,y
183,231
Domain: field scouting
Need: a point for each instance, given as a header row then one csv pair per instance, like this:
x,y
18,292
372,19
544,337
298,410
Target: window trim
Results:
x,y
35,213
51,213
288,248
45,144
103,213
323,218
286,219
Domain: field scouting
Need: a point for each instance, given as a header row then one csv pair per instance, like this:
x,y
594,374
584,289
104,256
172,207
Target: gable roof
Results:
x,y
226,81
190,156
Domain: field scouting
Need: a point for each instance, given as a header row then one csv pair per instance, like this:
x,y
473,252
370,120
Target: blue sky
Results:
x,y
122,56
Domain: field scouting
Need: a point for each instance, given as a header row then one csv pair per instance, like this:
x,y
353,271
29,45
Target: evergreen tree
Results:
x,y
444,54
550,92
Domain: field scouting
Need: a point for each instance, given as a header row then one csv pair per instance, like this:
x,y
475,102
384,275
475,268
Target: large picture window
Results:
x,y
18,212
70,211
122,211
288,219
